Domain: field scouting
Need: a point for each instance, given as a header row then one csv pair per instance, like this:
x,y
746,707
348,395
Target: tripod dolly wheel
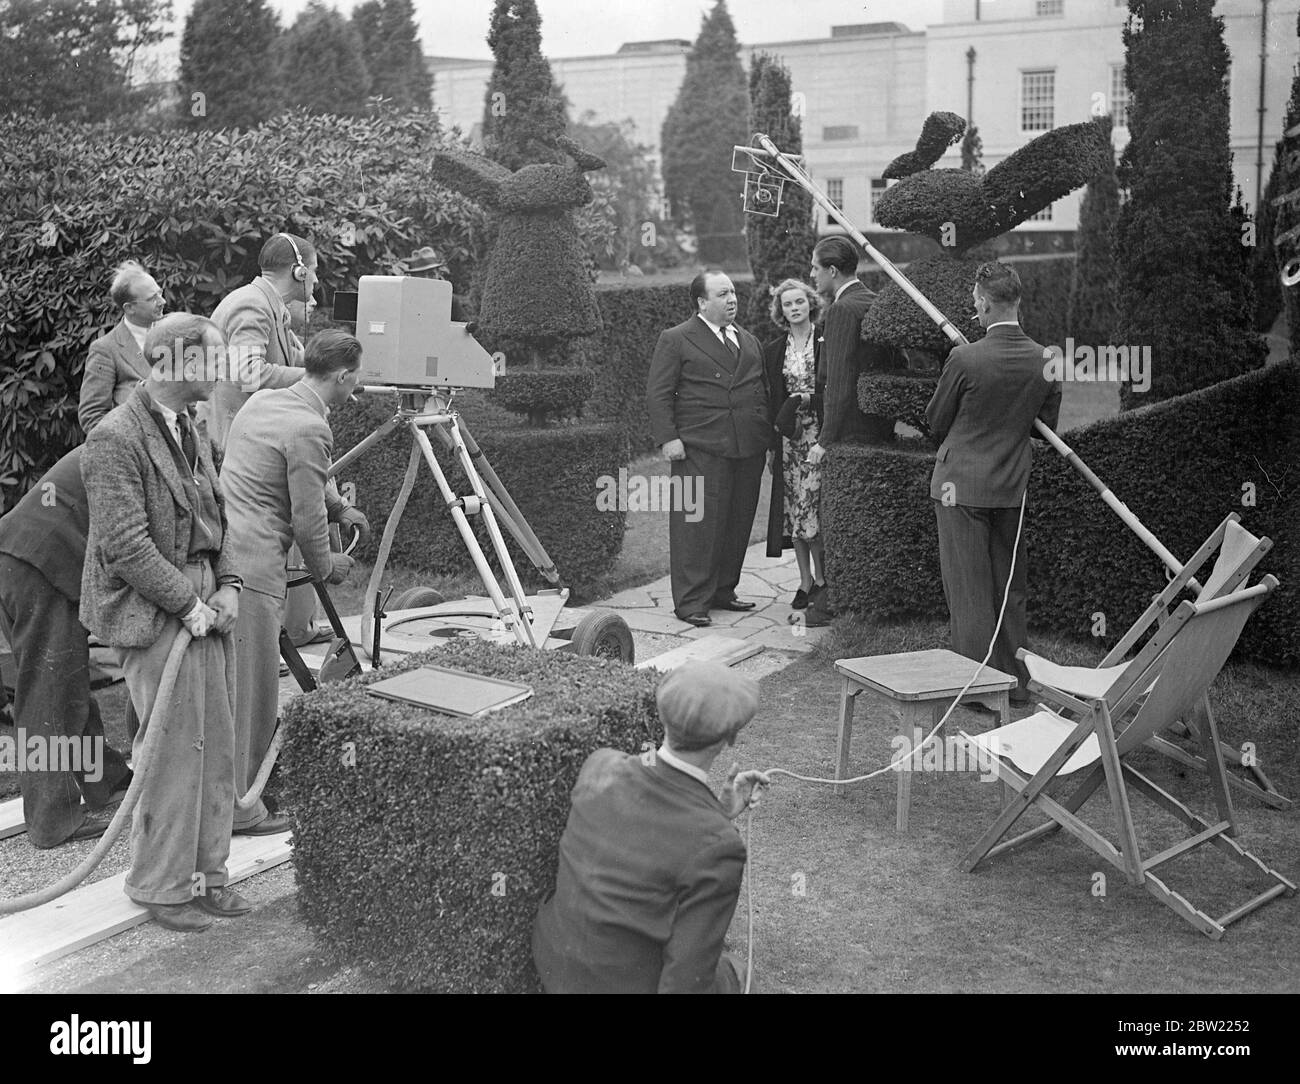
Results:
x,y
415,598
605,636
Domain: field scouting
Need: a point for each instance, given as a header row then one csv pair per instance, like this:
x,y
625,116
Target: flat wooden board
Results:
x,y
94,912
923,675
726,650
11,818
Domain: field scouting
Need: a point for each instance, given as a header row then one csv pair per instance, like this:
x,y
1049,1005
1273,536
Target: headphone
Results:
x,y
299,268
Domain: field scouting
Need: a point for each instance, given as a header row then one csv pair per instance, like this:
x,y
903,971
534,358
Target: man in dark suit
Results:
x,y
708,411
982,413
650,863
42,550
157,562
116,363
274,479
845,355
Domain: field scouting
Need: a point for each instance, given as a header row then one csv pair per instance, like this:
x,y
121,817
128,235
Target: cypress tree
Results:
x,y
1093,314
227,58
524,111
779,248
390,46
708,118
1181,282
320,66
1287,215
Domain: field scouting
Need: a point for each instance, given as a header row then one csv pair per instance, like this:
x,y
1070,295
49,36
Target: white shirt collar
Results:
x,y
717,329
674,761
1003,323
137,333
843,288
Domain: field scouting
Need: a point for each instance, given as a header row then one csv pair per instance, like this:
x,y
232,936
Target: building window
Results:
x,y
835,191
1045,215
839,131
1119,96
1037,101
1050,7
878,185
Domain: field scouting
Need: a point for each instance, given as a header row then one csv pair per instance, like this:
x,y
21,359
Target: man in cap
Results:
x,y
650,863
426,263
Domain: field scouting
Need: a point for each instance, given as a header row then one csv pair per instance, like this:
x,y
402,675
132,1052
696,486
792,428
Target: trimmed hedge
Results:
x,y
535,393
427,853
551,474
1180,465
902,396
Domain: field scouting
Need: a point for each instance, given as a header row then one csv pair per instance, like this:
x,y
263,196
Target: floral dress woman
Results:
x,y
802,479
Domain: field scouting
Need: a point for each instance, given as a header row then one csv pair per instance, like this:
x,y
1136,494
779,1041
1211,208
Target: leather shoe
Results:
x,y
800,600
731,604
95,824
223,902
178,916
700,621
272,825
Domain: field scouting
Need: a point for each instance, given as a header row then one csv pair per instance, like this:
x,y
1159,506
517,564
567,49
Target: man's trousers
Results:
x,y
257,692
182,824
975,547
708,539
52,700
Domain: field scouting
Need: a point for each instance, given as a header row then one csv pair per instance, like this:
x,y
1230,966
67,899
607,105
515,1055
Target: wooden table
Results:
x,y
917,686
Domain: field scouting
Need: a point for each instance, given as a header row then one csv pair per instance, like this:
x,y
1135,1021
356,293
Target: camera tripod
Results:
x,y
424,410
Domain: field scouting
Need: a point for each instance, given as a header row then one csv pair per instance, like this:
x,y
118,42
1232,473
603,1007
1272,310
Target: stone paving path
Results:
x,y
770,582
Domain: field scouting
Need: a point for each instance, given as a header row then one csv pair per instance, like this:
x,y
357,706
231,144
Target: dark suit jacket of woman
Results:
x,y
774,374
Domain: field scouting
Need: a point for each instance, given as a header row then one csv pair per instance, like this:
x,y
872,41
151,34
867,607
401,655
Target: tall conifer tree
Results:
x,y
227,74
390,46
319,63
779,248
524,110
1181,281
709,117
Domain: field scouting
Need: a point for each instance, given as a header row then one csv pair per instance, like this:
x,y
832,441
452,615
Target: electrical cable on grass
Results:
x,y
892,766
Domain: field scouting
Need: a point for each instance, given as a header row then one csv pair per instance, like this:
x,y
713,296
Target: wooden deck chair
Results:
x,y
1185,655
1239,552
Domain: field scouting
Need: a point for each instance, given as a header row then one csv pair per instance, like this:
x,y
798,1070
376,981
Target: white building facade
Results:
x,y
1017,67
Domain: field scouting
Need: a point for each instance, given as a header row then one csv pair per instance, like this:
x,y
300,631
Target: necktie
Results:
x,y
729,339
188,448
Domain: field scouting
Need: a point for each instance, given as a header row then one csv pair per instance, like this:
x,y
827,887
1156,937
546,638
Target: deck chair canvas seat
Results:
x,y
1168,676
1239,552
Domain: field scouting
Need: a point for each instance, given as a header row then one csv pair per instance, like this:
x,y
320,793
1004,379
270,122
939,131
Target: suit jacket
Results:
x,y
697,393
51,537
264,353
983,414
649,875
774,370
845,357
274,476
141,516
114,366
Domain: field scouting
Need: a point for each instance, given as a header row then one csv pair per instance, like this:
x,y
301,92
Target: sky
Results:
x,y
458,28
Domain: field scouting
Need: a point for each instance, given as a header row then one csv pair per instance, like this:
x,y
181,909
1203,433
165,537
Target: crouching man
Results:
x,y
156,562
650,863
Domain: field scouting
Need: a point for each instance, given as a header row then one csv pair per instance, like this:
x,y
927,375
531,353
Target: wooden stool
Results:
x,y
917,686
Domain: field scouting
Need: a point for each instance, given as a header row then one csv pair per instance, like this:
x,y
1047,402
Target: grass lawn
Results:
x,y
884,912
